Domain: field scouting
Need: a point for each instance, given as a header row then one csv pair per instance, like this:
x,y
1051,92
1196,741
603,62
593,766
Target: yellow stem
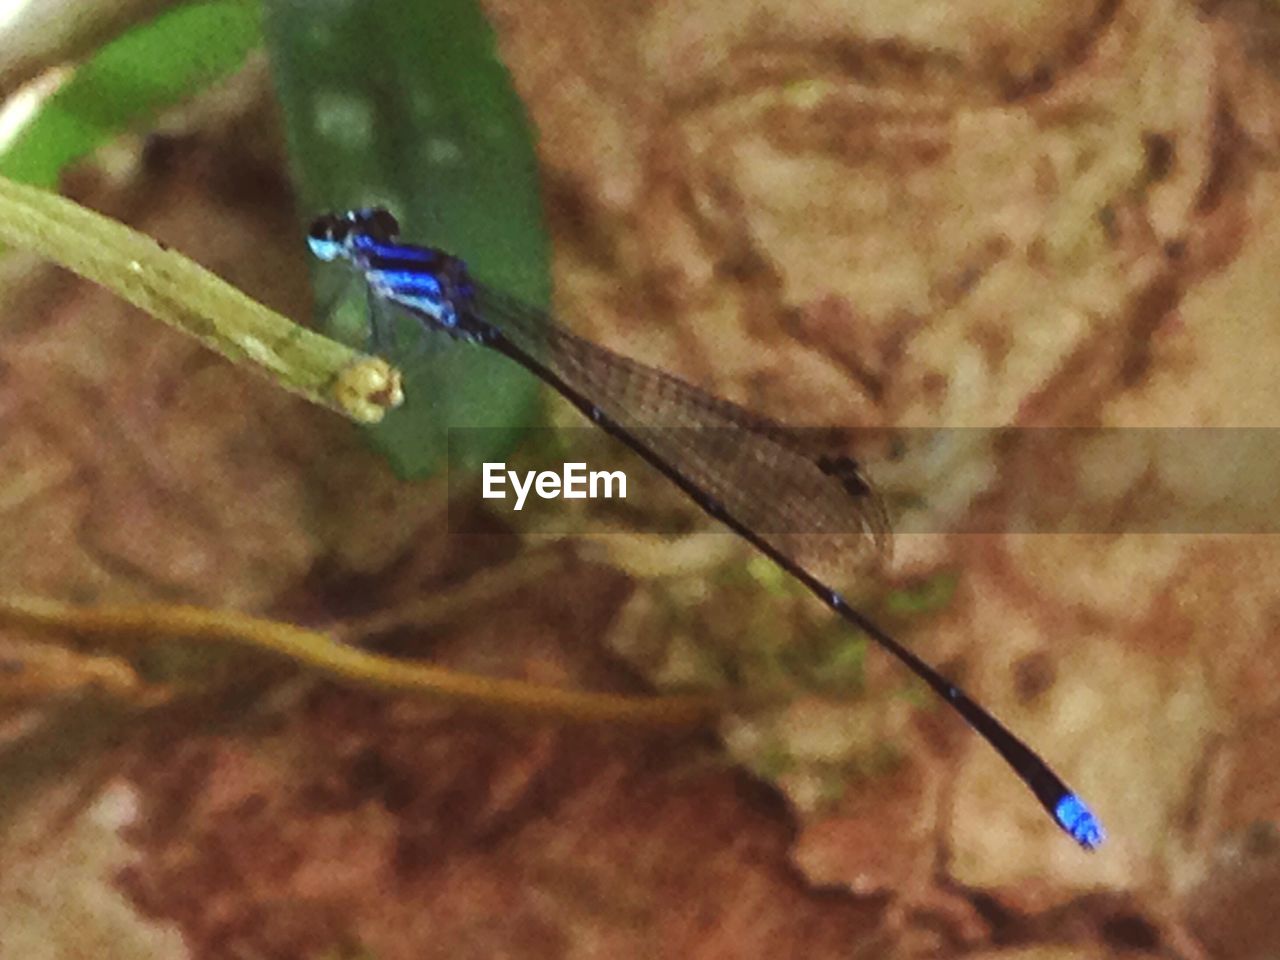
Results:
x,y
185,295
320,653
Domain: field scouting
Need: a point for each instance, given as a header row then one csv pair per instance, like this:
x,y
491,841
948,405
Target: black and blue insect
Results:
x,y
748,472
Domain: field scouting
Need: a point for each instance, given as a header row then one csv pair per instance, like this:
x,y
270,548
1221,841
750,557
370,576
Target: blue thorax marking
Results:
x,y
414,277
422,295
406,284
371,250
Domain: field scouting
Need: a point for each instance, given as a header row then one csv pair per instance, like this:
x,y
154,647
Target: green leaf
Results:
x,y
404,104
150,68
766,574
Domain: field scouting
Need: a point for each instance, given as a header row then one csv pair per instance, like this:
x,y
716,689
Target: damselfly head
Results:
x,y
331,236
327,236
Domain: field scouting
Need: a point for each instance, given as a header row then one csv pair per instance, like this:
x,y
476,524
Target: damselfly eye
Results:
x,y
327,236
328,228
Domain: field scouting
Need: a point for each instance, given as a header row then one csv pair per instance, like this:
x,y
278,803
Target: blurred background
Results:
x,y
962,214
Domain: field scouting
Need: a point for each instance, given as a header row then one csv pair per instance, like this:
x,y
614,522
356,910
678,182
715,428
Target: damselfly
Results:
x,y
748,472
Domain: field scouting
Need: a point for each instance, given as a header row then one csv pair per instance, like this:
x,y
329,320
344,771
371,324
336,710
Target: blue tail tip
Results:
x,y
1078,820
